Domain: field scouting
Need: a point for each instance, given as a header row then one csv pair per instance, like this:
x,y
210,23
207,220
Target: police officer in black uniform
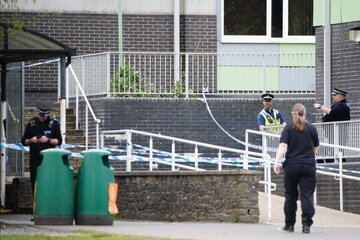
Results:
x,y
42,132
339,110
299,142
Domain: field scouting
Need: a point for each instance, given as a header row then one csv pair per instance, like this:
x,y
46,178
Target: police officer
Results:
x,y
339,110
269,116
42,132
299,142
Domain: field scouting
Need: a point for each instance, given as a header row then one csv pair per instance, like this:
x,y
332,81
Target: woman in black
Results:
x,y
299,142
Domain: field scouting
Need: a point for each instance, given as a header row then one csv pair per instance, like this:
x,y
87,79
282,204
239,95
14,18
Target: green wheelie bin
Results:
x,y
54,191
92,190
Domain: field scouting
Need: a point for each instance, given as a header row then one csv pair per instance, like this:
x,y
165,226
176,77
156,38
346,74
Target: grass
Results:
x,y
81,235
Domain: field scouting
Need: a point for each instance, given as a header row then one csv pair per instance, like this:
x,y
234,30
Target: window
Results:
x,y
267,21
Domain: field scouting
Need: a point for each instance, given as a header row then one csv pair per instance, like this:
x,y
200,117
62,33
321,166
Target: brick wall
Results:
x,y
94,33
187,118
345,58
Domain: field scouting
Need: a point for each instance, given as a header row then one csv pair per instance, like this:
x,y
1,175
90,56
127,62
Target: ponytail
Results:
x,y
298,117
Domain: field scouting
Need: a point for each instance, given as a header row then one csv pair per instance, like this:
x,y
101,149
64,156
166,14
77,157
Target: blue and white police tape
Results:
x,y
337,170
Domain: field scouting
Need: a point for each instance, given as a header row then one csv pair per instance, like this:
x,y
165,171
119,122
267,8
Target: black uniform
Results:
x,y
299,170
49,128
340,111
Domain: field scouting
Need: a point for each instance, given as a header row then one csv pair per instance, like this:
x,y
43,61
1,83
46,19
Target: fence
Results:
x,y
179,160
268,139
156,74
344,133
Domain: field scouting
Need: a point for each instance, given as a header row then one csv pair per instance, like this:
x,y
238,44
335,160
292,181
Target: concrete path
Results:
x,y
328,225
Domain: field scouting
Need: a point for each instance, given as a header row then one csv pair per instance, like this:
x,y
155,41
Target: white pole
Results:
x,y
341,184
3,153
128,151
63,119
176,40
327,53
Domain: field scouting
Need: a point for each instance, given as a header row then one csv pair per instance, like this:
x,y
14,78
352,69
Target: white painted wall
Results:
x,y
150,7
188,7
62,6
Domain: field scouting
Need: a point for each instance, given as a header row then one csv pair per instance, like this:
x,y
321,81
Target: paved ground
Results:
x,y
328,224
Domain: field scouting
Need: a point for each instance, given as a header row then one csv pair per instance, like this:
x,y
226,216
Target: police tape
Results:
x,y
237,162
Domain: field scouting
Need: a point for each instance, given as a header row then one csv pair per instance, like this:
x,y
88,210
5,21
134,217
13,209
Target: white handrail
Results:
x,y
340,174
88,106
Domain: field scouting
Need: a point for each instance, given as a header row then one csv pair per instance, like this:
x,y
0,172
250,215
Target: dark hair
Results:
x,y
298,113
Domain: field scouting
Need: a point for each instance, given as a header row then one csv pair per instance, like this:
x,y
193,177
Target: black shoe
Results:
x,y
306,229
288,228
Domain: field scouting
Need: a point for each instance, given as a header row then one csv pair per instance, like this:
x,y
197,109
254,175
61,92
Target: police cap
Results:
x,y
267,96
44,108
339,91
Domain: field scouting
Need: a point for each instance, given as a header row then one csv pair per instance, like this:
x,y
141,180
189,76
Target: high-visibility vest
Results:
x,y
269,120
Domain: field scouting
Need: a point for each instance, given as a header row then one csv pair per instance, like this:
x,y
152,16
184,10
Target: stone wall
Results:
x,y
227,196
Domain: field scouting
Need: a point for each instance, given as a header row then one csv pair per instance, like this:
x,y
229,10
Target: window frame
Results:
x,y
266,38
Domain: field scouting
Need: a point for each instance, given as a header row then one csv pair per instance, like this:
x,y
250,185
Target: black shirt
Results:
x,y
340,111
50,128
300,144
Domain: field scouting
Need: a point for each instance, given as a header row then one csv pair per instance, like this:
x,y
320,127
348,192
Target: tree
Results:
x,y
16,17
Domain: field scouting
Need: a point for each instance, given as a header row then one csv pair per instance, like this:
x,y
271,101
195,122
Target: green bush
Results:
x,y
127,81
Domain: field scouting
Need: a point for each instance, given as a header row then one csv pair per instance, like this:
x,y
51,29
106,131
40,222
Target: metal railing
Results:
x,y
270,138
343,133
244,159
156,74
78,87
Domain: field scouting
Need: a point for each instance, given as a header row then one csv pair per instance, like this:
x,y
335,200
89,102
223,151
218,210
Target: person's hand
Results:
x,y
34,140
44,139
317,105
277,168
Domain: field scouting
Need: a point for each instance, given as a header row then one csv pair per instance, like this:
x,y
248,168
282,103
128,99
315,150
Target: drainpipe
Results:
x,y
176,41
120,25
327,53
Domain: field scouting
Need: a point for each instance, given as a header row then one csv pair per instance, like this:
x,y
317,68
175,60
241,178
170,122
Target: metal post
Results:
x,y
86,128
2,131
108,73
97,134
219,160
264,151
62,99
341,184
336,140
128,151
327,52
196,158
176,41
173,156
187,75
151,154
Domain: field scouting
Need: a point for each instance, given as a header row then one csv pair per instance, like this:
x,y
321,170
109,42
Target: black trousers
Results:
x,y
302,176
34,164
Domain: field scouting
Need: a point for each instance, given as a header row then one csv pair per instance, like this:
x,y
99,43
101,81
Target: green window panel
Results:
x,y
299,55
232,78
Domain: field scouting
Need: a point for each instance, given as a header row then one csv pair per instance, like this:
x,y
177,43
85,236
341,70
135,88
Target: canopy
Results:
x,y
18,46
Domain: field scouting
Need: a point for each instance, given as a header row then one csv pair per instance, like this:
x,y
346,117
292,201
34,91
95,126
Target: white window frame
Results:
x,y
266,38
